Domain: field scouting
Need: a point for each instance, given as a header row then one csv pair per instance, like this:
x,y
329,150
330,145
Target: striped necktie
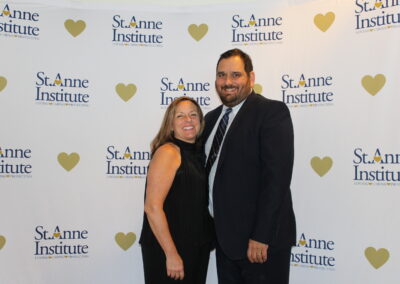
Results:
x,y
219,136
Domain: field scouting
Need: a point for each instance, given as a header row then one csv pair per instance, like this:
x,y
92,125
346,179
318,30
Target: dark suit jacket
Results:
x,y
251,194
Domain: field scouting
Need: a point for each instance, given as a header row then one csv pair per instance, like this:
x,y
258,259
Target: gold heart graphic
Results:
x,y
321,166
3,83
252,23
257,88
378,4
6,13
373,85
56,235
2,241
68,162
125,92
133,24
57,82
302,83
376,258
75,28
181,86
127,155
302,242
198,32
323,22
377,159
125,241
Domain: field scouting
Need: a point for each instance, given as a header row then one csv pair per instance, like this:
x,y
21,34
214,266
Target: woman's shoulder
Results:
x,y
169,147
168,151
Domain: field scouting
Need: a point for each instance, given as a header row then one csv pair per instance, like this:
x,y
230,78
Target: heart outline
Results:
x,y
321,166
377,258
198,32
324,22
75,28
373,84
125,92
68,162
2,241
125,241
258,88
3,83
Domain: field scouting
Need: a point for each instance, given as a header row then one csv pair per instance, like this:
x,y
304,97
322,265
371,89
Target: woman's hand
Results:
x,y
175,266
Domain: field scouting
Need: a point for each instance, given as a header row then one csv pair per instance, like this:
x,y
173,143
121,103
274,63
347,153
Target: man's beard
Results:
x,y
233,100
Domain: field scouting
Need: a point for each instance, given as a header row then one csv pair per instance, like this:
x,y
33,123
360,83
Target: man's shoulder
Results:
x,y
214,112
260,101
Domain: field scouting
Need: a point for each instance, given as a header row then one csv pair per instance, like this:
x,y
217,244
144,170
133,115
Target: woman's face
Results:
x,y
186,122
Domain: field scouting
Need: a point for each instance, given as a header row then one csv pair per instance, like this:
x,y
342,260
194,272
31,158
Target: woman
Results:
x,y
177,230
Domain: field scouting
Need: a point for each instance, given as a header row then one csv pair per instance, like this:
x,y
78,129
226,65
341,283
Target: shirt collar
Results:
x,y
236,108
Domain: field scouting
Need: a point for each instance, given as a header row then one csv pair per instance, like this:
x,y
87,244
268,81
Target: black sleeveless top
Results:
x,y
186,204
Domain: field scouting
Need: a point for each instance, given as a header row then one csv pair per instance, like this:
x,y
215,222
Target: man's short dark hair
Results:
x,y
248,65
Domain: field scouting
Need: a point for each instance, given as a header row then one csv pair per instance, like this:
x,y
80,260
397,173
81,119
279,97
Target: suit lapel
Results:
x,y
210,123
234,126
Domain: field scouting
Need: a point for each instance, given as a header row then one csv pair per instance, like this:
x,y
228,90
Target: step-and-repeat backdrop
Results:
x,y
83,88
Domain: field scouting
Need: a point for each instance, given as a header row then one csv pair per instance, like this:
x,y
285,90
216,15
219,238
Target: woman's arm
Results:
x,y
163,166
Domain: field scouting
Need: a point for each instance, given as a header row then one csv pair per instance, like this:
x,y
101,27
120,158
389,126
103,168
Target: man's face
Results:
x,y
232,83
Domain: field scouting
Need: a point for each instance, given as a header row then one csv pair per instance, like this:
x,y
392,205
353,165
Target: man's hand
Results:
x,y
257,252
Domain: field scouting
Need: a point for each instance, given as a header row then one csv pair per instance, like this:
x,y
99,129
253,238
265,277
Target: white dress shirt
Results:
x,y
209,142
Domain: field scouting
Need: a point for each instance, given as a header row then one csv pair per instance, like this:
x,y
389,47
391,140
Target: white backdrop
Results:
x,y
79,107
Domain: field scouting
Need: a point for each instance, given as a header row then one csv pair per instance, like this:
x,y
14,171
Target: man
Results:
x,y
249,148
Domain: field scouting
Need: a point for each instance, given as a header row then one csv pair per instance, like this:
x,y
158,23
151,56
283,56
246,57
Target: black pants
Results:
x,y
274,271
195,262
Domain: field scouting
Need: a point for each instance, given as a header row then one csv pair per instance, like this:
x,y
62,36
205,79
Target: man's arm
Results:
x,y
276,154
